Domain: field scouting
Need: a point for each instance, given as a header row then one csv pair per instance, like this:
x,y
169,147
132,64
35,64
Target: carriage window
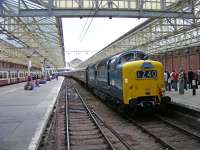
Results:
x,y
21,74
5,75
91,73
1,75
101,72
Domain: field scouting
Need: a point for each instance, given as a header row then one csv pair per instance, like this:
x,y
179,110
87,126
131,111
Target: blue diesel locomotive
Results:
x,y
126,79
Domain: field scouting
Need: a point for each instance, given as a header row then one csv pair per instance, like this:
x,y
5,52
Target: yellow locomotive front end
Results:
x,y
143,83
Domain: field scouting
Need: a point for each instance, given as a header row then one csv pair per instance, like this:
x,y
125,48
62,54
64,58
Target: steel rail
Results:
x,y
53,121
179,128
113,131
95,121
164,143
50,124
67,118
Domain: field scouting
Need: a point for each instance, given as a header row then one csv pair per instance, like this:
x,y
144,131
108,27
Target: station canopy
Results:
x,y
158,36
37,38
33,28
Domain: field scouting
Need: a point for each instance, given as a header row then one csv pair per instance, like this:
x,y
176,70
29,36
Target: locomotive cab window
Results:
x,y
140,56
132,56
127,58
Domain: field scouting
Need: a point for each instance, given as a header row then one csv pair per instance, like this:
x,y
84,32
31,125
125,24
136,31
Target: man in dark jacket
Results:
x,y
190,77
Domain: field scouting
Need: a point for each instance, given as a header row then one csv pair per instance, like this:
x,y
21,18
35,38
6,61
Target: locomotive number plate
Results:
x,y
147,74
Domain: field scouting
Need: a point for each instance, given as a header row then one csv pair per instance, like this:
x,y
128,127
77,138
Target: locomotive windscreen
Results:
x,y
133,56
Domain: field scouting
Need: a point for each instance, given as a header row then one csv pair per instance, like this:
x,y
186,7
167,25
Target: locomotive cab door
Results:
x,y
86,76
108,72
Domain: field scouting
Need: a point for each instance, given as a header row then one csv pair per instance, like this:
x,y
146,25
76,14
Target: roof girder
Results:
x,y
22,29
99,8
155,36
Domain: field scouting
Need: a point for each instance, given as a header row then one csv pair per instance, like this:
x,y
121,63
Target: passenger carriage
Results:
x,y
4,78
13,77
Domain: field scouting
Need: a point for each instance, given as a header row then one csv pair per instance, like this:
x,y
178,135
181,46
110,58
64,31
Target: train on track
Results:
x,y
13,76
128,80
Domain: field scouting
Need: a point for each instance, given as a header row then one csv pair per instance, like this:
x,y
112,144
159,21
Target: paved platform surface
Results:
x,y
23,113
187,100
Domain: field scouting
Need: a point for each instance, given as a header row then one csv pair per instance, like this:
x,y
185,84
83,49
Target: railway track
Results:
x,y
53,137
86,130
170,135
75,125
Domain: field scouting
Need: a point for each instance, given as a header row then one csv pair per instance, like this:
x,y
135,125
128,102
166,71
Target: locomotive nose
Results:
x,y
142,79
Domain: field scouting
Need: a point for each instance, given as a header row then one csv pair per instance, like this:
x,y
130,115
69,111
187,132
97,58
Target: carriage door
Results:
x,y
86,76
108,72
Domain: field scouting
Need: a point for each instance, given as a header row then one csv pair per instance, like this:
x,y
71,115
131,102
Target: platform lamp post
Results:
x,y
44,68
29,85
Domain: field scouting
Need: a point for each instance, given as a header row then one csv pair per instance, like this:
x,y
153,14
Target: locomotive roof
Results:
x,y
116,56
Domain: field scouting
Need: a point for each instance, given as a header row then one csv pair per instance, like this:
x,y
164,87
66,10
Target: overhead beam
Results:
x,y
99,13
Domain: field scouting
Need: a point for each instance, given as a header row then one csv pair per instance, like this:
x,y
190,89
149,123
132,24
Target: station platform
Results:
x,y
24,114
187,100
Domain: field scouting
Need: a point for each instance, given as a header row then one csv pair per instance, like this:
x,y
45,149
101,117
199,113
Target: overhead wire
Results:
x,y
84,26
82,31
82,38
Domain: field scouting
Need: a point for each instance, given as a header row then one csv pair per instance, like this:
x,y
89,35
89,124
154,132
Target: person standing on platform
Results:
x,y
190,77
181,82
37,81
174,80
195,77
185,80
56,76
166,80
